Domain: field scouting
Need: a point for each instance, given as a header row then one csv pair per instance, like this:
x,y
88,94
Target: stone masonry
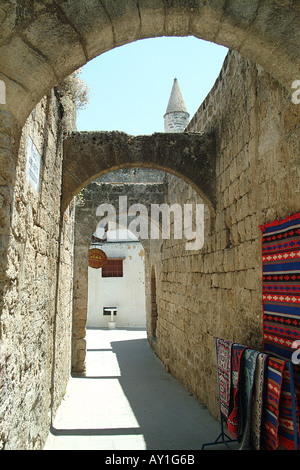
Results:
x,y
216,292
88,155
194,296
35,360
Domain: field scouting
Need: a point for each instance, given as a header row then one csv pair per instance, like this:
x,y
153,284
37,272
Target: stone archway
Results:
x,y
95,194
87,155
42,43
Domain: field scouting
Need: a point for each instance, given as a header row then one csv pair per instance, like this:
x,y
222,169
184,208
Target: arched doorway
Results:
x,y
87,155
144,190
52,43
57,40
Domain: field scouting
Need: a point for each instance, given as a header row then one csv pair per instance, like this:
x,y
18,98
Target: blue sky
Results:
x,y
130,85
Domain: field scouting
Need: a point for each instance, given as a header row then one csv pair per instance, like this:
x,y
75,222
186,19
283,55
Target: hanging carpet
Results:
x,y
233,418
258,399
286,425
281,286
248,367
270,420
223,351
281,318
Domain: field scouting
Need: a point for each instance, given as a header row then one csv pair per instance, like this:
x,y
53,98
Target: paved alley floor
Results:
x,y
128,401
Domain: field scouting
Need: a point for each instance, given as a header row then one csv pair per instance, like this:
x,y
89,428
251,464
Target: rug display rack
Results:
x,y
259,392
259,407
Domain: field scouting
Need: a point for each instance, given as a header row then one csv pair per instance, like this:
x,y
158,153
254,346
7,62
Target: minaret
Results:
x,y
176,117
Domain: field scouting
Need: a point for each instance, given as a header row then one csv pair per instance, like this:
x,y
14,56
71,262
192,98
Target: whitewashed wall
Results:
x,y
127,293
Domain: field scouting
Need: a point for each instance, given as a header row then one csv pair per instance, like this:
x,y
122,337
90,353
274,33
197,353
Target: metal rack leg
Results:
x,y
223,436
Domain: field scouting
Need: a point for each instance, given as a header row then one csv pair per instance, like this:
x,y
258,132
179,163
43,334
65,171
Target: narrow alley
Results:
x,y
128,401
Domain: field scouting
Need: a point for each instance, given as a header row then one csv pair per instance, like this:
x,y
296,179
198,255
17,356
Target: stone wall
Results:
x,y
196,296
36,316
257,177
216,292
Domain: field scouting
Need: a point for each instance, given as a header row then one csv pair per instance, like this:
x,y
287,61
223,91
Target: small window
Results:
x,y
113,268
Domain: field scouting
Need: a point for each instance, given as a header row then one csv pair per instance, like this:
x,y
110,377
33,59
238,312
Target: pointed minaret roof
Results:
x,y
176,102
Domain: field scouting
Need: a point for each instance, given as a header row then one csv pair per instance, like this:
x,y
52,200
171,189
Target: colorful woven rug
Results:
x,y
286,425
270,421
223,350
233,418
247,374
281,285
258,398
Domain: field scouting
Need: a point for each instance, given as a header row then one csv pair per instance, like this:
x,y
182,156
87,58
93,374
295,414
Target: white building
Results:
x,y
120,283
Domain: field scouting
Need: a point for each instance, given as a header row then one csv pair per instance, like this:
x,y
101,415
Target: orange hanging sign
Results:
x,y
97,258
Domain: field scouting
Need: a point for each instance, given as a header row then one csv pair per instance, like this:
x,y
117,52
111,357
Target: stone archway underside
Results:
x,y
43,42
87,155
